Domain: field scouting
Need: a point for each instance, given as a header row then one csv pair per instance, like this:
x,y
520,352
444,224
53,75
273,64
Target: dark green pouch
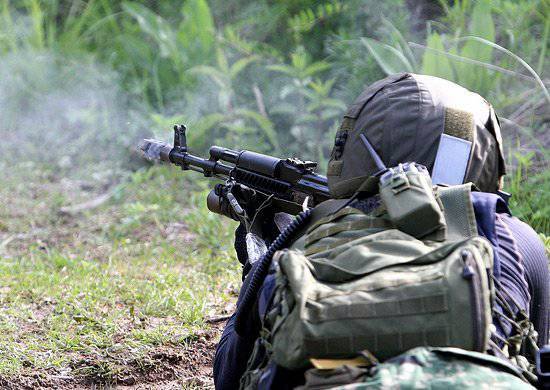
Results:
x,y
407,193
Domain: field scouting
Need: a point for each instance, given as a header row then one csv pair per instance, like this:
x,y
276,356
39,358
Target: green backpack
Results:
x,y
354,283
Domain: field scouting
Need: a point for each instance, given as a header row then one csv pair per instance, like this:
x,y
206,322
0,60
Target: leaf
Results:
x,y
231,35
285,69
299,59
240,64
434,63
315,68
536,77
197,32
37,18
154,26
322,88
265,124
388,58
221,60
201,134
335,103
8,26
544,45
213,73
481,25
73,28
402,42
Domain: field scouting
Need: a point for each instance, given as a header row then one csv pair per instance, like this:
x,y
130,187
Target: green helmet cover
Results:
x,y
403,116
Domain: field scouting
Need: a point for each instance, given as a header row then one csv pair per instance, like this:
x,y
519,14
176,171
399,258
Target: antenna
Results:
x,y
375,157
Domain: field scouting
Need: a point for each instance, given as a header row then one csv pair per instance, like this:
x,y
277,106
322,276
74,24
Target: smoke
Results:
x,y
64,112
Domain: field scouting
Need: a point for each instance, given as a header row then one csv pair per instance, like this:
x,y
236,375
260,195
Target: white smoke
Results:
x,y
66,112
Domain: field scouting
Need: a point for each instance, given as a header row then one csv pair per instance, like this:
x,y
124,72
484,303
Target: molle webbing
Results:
x,y
457,205
348,220
356,283
325,211
328,218
360,224
398,341
404,307
331,242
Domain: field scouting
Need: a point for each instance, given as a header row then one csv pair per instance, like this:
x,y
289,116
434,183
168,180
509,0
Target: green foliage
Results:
x,y
480,25
276,76
487,46
464,49
530,196
306,19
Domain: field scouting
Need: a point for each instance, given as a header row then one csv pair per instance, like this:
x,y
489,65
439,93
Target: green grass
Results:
x,y
131,278
123,292
530,190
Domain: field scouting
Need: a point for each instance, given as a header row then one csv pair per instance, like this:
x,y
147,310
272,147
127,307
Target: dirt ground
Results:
x,y
130,295
169,368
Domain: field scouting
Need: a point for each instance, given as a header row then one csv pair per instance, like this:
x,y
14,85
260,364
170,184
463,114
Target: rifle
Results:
x,y
252,181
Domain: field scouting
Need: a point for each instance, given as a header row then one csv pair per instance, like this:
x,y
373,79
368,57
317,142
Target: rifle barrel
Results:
x,y
261,172
155,150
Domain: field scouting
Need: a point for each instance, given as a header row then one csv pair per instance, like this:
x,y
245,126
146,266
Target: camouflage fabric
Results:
x,y
442,368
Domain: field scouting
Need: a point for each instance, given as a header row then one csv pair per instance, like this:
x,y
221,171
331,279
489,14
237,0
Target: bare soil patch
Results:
x,y
163,367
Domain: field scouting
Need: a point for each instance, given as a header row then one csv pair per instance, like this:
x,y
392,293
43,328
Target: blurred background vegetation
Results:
x,y
126,291
80,81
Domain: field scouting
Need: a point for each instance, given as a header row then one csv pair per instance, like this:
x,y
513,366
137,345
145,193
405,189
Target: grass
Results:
x,y
123,293
530,188
116,294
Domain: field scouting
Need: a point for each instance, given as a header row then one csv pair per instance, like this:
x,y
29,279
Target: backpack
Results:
x,y
358,284
354,283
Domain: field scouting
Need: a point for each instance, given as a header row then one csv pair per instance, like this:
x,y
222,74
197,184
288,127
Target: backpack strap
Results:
x,y
459,211
457,206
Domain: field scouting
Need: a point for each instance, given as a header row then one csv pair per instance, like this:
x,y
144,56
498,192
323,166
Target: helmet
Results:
x,y
406,117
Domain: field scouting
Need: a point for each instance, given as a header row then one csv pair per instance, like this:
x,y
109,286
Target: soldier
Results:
x,y
455,134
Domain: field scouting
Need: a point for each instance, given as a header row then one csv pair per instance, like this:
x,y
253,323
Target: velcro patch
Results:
x,y
459,124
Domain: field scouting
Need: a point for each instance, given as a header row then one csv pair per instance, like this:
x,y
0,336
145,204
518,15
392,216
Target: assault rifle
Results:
x,y
252,181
